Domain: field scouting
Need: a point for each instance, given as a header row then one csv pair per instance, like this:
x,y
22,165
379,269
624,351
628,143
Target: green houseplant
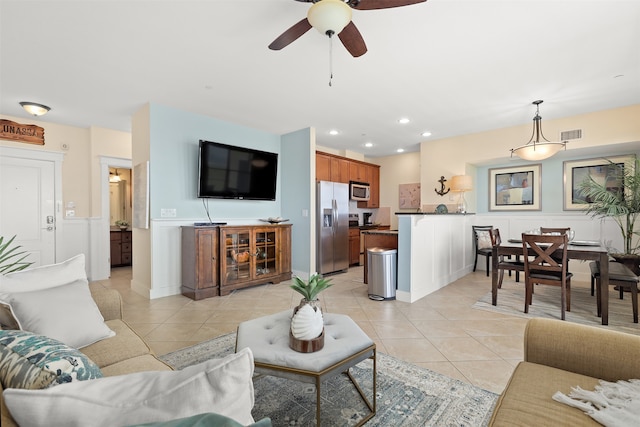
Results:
x,y
8,255
311,288
122,224
622,205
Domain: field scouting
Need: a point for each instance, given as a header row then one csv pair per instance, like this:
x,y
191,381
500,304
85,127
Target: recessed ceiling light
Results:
x,y
426,134
333,132
368,144
400,150
403,121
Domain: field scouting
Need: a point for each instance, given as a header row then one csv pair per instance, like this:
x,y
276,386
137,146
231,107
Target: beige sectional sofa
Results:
x,y
558,356
124,353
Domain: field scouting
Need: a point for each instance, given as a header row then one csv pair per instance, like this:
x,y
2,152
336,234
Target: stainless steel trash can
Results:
x,y
382,273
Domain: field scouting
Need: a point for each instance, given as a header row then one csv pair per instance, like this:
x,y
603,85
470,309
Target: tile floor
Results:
x,y
440,332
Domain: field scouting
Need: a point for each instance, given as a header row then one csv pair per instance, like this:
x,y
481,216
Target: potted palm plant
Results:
x,y
622,204
307,326
11,258
310,289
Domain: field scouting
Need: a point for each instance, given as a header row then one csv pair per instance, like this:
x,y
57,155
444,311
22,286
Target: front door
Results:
x,y
27,206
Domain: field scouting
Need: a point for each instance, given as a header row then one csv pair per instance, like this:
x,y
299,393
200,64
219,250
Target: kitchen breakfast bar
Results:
x,y
433,251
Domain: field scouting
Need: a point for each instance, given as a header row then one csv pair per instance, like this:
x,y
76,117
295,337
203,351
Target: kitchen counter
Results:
x,y
368,227
434,213
395,232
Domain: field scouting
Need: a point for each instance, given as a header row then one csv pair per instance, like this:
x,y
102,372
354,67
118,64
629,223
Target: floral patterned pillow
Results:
x,y
32,361
484,239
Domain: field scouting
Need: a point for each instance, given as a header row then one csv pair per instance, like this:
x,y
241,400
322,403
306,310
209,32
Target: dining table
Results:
x,y
578,249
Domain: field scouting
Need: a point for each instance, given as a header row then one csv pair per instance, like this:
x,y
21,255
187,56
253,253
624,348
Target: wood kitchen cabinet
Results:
x,y
121,249
354,246
200,262
323,167
357,172
373,178
251,255
332,168
340,170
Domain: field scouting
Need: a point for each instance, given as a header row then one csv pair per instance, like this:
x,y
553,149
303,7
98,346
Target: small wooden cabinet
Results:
x,y
200,262
354,246
217,260
120,248
251,255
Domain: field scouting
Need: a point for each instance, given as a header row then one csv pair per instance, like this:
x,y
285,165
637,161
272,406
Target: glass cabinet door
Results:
x,y
237,252
265,253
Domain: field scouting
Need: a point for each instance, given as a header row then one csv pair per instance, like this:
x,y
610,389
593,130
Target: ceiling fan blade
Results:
x,y
352,40
291,35
382,4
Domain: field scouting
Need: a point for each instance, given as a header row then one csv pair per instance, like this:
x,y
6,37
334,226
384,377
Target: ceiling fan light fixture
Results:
x,y
35,109
537,149
329,16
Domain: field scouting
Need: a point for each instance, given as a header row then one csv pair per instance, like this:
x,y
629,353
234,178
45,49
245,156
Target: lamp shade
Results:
x,y
538,151
329,16
34,108
461,183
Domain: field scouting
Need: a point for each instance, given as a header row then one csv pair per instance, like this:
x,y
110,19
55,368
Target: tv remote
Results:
x,y
208,224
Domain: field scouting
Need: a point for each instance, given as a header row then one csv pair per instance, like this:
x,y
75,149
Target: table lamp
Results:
x,y
461,184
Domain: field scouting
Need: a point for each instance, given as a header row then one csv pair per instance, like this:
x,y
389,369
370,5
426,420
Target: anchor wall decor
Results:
x,y
441,191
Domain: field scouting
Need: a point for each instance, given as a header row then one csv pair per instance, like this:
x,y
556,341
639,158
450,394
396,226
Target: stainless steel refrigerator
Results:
x,y
332,227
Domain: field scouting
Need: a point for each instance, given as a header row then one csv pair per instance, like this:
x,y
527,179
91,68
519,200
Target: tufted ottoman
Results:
x,y
345,345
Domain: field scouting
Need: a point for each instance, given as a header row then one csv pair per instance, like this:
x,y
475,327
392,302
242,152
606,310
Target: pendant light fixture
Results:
x,y
35,109
537,149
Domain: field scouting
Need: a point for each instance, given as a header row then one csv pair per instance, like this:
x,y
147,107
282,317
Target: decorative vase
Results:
x,y
313,303
306,334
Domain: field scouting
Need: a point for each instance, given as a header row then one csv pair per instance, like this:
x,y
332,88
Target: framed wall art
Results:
x,y
409,196
602,170
515,188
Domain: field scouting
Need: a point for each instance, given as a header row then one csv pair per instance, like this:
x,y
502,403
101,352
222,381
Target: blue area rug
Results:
x,y
407,395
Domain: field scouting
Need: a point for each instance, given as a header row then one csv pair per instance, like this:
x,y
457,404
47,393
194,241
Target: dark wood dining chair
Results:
x,y
482,245
561,230
505,263
621,277
542,266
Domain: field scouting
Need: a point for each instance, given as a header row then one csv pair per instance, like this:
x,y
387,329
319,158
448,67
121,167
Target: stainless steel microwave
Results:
x,y
359,191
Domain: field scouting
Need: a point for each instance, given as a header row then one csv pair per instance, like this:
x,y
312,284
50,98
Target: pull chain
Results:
x,y
330,57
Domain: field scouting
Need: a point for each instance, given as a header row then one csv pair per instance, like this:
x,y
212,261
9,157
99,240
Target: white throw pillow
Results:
x,y
66,313
223,386
46,276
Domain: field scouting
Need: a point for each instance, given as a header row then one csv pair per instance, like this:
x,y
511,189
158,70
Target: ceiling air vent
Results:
x,y
567,135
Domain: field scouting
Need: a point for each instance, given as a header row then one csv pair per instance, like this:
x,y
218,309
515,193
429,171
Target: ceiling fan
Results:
x,y
334,17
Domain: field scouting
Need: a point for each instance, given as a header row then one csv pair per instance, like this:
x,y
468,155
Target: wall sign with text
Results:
x,y
31,134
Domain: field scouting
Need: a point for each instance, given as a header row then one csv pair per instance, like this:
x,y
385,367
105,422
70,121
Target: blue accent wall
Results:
x,y
298,174
173,164
552,188
173,171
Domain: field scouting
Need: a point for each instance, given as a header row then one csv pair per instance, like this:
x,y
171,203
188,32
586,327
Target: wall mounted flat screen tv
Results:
x,y
229,172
